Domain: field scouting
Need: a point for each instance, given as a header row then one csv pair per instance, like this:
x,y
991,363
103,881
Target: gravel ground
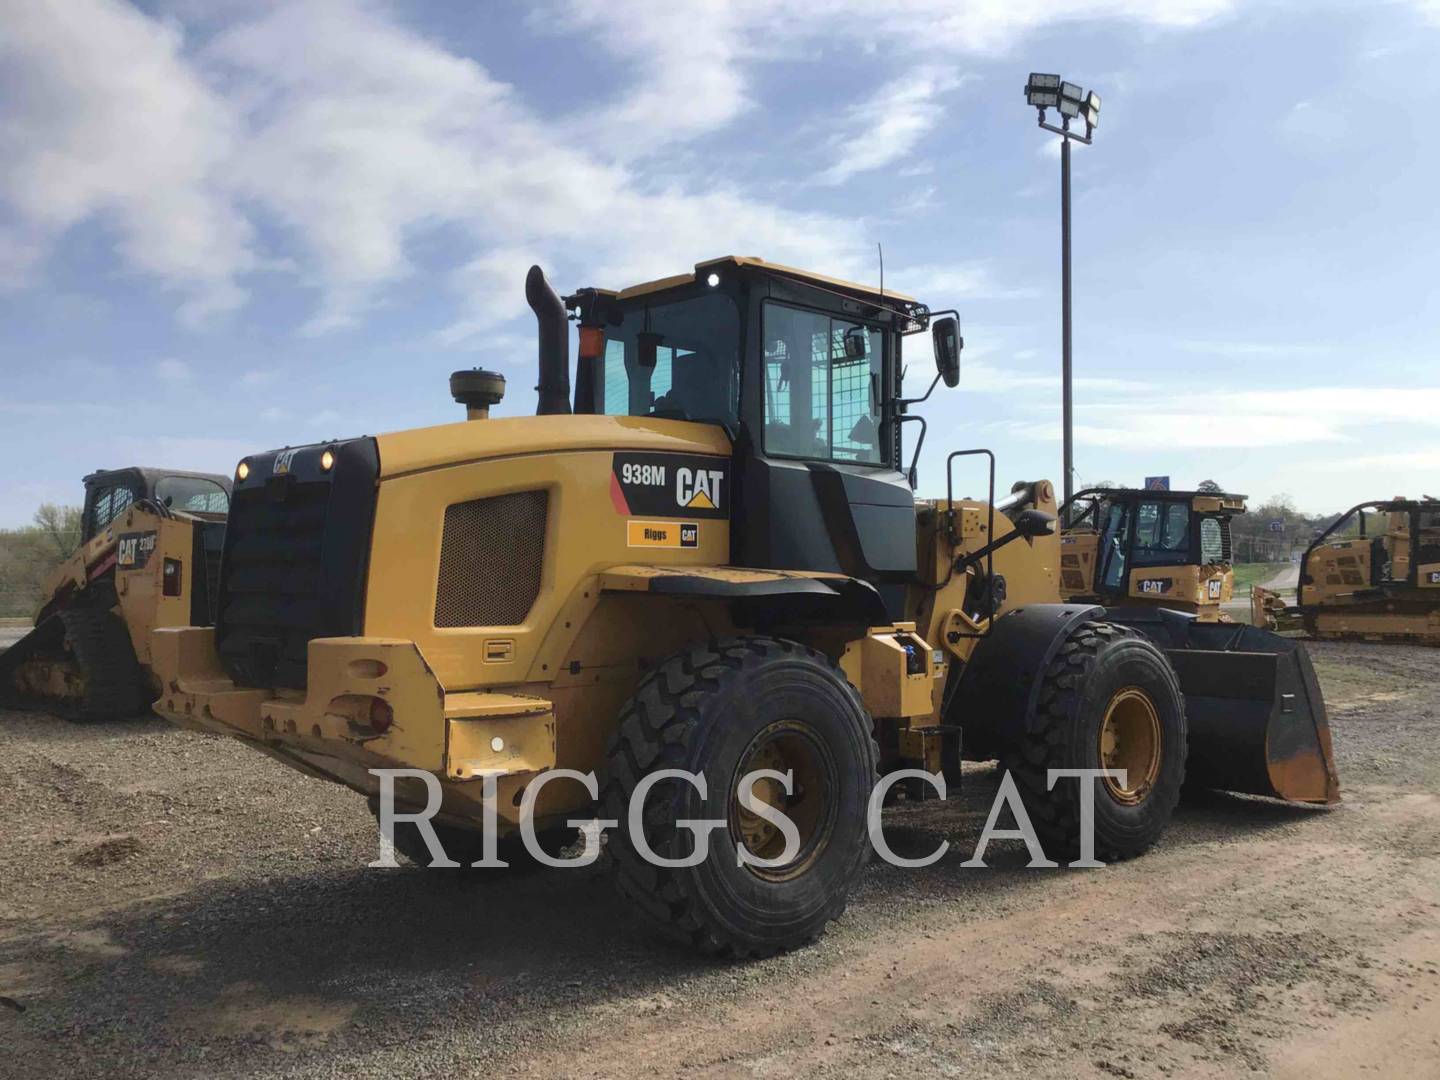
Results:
x,y
176,905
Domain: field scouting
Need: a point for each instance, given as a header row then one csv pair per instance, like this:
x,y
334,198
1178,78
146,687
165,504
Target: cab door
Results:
x,y
816,475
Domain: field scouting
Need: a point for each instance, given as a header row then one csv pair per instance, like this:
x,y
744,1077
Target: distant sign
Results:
x,y
1157,483
1277,526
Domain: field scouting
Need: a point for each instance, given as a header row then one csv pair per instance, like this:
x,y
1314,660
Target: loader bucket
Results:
x,y
1256,718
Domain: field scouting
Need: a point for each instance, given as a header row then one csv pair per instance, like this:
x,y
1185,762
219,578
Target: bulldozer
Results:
x,y
1360,583
149,556
708,563
1169,549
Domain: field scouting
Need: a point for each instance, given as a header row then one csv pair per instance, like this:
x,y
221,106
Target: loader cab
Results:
x,y
1123,545
804,374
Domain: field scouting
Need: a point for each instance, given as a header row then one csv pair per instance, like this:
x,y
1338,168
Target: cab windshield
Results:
x,y
192,494
676,360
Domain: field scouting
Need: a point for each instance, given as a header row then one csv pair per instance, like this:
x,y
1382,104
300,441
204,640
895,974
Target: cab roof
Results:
x,y
151,476
750,262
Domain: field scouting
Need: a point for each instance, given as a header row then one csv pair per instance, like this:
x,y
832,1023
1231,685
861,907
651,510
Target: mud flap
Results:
x,y
1256,717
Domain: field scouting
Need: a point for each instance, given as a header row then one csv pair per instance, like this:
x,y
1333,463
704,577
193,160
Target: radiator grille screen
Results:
x,y
491,555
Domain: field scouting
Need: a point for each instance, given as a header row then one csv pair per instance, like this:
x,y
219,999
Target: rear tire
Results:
x,y
721,710
1104,680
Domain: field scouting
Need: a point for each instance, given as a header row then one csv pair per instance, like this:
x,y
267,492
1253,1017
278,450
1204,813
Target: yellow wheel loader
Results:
x,y
1163,548
149,556
710,560
1360,583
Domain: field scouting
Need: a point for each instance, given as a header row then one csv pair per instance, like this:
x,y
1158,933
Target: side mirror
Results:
x,y
945,333
1033,523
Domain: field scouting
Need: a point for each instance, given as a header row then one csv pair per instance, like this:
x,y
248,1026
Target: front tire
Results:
x,y
723,710
1109,699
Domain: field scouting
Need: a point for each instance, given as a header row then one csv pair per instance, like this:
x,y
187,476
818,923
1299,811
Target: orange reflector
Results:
x,y
592,342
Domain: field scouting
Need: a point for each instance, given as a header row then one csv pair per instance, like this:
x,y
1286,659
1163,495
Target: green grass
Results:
x,y
1256,573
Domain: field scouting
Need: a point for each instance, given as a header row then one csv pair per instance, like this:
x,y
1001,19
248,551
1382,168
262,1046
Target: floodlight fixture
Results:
x,y
1069,108
1043,91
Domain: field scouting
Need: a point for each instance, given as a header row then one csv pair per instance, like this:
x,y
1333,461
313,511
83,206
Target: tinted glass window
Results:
x,y
1162,534
192,495
822,386
693,372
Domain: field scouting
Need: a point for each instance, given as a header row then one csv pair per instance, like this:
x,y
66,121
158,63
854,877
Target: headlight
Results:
x,y
242,470
327,461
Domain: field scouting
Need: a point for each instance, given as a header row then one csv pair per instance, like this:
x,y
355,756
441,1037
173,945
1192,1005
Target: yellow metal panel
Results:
x,y
405,452
585,535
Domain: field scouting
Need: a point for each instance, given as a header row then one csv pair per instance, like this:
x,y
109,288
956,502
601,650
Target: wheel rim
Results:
x,y
1130,741
787,746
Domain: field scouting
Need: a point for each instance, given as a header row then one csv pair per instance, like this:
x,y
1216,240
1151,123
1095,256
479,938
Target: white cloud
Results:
x,y
1251,348
1177,418
355,134
105,119
940,285
173,371
1427,458
888,126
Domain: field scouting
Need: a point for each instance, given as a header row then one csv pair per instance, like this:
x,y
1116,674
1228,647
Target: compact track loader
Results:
x,y
711,559
1166,548
149,556
1358,583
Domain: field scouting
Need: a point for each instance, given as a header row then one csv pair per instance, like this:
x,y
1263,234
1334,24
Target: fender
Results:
x,y
999,690
759,597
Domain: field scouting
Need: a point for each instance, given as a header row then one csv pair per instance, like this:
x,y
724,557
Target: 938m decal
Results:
x,y
663,485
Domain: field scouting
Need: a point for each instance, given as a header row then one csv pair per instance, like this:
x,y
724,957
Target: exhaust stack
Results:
x,y
477,389
554,335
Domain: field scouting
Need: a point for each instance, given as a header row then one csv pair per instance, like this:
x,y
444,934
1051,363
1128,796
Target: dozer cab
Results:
x,y
710,560
149,556
1373,575
1168,549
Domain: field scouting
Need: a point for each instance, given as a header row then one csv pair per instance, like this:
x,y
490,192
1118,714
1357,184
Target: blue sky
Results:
x,y
229,226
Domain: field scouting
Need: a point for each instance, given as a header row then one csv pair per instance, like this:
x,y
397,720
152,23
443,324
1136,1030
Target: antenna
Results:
x,y
881,252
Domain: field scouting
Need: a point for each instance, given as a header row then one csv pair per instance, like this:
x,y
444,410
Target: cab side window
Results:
x,y
108,505
823,379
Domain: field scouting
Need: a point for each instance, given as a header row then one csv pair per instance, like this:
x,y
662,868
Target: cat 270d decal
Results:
x,y
666,485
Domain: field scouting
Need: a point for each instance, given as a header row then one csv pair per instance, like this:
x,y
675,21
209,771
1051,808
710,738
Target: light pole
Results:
x,y
1052,92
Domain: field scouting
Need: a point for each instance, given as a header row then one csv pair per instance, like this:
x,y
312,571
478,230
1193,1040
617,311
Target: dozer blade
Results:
x,y
1256,717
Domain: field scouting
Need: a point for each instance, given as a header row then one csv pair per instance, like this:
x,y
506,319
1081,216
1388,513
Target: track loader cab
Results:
x,y
1165,548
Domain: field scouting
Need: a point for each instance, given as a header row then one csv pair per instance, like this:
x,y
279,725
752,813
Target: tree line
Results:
x,y
29,554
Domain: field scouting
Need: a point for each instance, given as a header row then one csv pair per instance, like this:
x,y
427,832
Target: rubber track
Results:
x,y
113,680
655,731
